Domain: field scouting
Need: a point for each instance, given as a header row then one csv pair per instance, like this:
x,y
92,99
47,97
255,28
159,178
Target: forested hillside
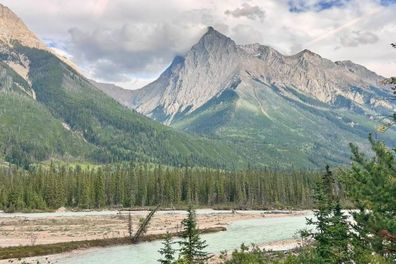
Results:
x,y
29,132
69,118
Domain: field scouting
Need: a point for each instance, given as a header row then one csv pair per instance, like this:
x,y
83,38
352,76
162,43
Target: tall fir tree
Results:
x,y
331,228
99,190
192,246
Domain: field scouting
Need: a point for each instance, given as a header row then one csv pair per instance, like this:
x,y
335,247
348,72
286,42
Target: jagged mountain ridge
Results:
x,y
49,110
212,64
267,104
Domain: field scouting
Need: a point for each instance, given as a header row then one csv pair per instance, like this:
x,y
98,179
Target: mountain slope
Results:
x,y
299,110
49,110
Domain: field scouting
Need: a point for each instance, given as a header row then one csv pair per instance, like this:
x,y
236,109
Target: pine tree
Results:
x,y
192,246
167,252
331,225
340,237
372,187
322,222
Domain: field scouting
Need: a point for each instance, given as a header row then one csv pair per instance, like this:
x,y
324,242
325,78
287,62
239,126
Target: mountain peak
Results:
x,y
13,29
210,29
307,53
213,39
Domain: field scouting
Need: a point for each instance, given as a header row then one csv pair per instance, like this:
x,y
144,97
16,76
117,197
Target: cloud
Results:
x,y
248,11
246,34
138,48
356,38
125,40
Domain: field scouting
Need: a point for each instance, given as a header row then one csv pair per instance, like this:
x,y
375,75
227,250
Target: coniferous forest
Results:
x,y
137,185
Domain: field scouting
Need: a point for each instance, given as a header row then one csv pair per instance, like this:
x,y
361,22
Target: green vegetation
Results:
x,y
191,246
372,187
271,130
331,232
90,126
119,133
129,185
167,252
370,238
28,132
11,81
231,131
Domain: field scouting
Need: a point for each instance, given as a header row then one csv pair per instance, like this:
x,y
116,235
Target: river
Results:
x,y
257,231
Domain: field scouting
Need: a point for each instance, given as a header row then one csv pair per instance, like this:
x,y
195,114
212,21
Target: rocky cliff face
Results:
x,y
13,29
216,63
192,80
15,66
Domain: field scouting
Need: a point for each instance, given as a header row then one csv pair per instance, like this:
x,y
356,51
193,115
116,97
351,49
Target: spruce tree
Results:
x,y
167,252
372,187
331,234
99,190
192,246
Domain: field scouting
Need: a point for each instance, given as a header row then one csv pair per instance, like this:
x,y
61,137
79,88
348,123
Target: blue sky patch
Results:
x,y
387,2
299,6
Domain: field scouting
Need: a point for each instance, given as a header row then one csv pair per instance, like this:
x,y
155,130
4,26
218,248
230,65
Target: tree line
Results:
x,y
141,185
364,235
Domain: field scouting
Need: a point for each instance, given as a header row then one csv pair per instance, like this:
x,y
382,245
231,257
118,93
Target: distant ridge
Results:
x,y
299,109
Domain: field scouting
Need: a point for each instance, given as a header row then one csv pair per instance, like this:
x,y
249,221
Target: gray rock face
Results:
x,y
216,61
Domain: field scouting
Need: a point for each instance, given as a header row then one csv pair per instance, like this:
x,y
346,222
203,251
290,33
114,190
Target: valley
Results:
x,y
226,150
51,228
275,110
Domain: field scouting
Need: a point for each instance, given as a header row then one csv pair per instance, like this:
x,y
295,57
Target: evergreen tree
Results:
x,y
192,246
372,187
331,226
340,237
99,190
167,252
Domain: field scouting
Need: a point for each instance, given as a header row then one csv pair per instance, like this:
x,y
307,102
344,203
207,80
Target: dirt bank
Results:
x,y
26,231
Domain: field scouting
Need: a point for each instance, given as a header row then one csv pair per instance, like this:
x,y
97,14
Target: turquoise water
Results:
x,y
258,231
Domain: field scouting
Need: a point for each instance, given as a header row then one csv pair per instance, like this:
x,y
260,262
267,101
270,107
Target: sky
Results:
x,y
130,42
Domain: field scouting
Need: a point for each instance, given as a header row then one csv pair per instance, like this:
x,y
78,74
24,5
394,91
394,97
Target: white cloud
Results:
x,y
248,11
356,38
126,40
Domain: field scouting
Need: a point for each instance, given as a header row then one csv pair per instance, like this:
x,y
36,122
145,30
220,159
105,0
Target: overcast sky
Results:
x,y
130,42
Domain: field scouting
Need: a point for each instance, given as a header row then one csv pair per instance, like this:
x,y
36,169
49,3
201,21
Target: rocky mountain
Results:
x,y
48,110
13,28
216,64
301,109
